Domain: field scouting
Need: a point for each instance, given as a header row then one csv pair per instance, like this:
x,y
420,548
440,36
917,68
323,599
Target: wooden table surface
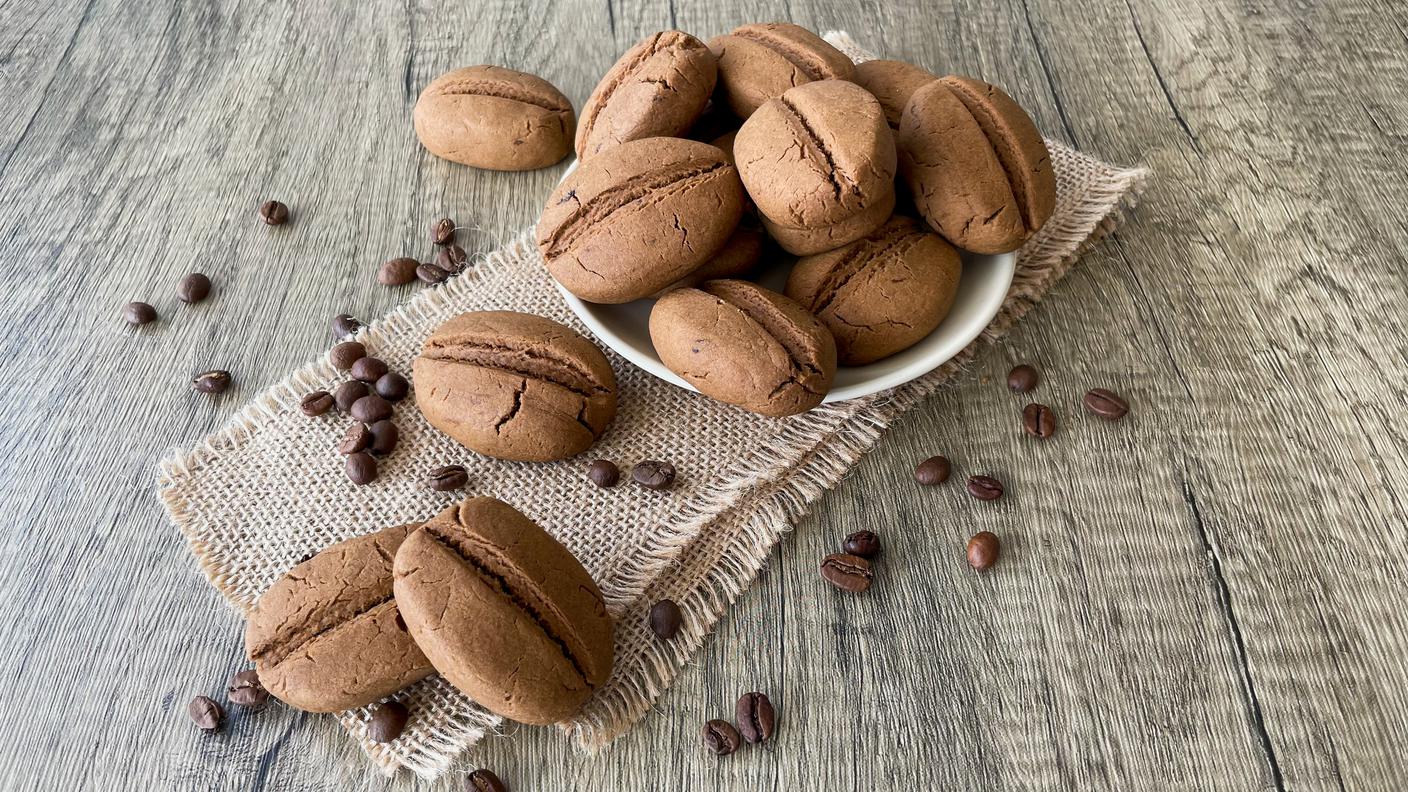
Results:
x,y
1209,595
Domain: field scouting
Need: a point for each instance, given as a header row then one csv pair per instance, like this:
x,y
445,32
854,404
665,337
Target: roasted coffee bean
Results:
x,y
447,478
348,393
984,487
392,386
384,437
665,619
138,313
431,274
451,259
862,543
1038,420
397,272
934,470
388,721
1022,379
604,473
361,468
983,549
1106,403
274,213
482,780
317,403
193,288
847,572
369,369
756,718
358,437
206,713
721,738
442,232
654,474
345,354
344,325
246,691
371,408
214,381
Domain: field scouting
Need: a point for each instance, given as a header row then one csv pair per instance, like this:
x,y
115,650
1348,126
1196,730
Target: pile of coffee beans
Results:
x,y
756,719
244,690
851,570
449,259
368,398
653,474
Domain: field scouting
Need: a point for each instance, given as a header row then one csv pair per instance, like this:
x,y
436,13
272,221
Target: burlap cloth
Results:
x,y
268,489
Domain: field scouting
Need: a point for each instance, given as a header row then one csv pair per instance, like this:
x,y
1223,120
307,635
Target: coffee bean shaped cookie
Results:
x,y
514,386
880,294
504,612
819,163
327,636
738,256
742,344
760,62
639,216
977,167
494,118
892,83
658,88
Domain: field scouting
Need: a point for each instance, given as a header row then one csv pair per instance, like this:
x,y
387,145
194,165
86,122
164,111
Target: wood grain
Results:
x,y
1208,595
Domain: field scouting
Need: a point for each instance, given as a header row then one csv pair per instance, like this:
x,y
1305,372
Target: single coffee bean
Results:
x,y
193,288
934,470
654,474
442,231
431,274
1106,403
862,543
317,403
246,691
344,325
348,393
721,738
215,381
361,468
665,619
392,386
756,718
451,259
397,271
357,438
603,473
274,212
371,408
482,780
138,313
1038,420
984,487
1022,379
388,721
206,713
983,549
345,354
847,572
384,437
447,478
369,369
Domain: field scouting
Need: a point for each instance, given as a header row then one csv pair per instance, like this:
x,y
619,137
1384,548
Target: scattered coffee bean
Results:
x,y
665,619
344,325
482,780
138,313
361,468
1022,379
654,474
756,718
246,690
206,713
397,271
442,232
357,438
447,478
384,437
274,212
193,288
317,403
1106,403
934,470
431,274
388,721
604,473
847,572
984,487
214,381
369,369
392,386
345,354
862,543
983,549
721,738
371,408
451,259
1038,420
348,393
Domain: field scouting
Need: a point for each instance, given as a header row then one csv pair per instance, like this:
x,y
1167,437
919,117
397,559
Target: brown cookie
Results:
x,y
880,294
494,118
819,163
639,216
658,88
742,344
739,255
760,62
504,612
514,386
976,165
327,635
893,83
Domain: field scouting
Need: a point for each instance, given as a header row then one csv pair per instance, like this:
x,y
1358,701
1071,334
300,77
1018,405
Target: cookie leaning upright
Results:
x,y
494,118
760,62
